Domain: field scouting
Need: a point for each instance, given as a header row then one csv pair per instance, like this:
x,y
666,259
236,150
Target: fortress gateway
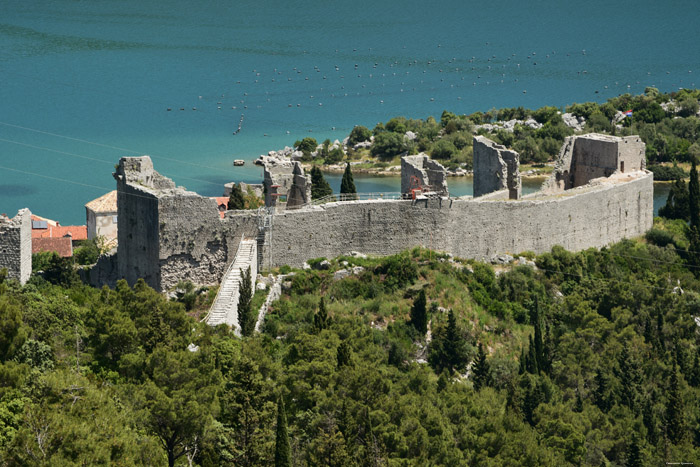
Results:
x,y
599,193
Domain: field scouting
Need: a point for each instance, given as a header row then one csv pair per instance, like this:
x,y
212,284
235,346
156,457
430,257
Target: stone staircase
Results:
x,y
225,307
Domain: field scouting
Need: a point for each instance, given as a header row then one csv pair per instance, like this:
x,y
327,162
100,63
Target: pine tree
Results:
x,y
419,314
319,186
347,184
675,419
283,457
246,320
481,369
321,316
236,200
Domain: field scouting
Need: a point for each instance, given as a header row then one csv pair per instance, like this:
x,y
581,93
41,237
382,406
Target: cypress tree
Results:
x,y
319,186
694,378
578,407
448,349
649,419
634,453
347,184
246,320
601,396
321,316
283,457
481,369
677,203
531,361
344,354
630,378
235,199
675,420
419,314
694,197
532,400
454,344
694,249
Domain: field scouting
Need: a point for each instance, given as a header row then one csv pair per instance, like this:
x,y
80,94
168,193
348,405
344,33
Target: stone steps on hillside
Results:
x,y
224,310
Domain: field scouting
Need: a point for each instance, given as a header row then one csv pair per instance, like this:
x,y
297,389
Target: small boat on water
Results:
x,y
238,162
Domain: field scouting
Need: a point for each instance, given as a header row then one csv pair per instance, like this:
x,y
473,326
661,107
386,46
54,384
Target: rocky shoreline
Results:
x,y
395,171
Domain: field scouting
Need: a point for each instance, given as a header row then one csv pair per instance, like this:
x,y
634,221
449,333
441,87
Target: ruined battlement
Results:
x,y
16,245
168,234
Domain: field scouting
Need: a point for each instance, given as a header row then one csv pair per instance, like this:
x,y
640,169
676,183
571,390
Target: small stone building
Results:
x,y
101,216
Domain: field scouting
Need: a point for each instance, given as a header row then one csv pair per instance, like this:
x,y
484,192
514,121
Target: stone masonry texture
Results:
x,y
495,168
16,245
168,234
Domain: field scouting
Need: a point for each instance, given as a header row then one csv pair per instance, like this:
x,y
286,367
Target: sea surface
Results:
x,y
83,83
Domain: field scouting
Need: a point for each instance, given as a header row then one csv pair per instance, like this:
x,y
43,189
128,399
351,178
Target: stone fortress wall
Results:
x,y
168,234
16,245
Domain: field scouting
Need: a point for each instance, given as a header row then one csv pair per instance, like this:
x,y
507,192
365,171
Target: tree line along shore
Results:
x,y
668,124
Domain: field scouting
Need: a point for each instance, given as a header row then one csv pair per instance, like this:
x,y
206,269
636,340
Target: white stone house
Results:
x,y
101,214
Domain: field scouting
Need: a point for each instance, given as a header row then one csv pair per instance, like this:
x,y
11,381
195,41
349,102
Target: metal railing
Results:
x,y
339,198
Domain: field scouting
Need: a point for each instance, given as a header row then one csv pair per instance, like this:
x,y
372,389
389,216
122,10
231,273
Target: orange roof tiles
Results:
x,y
62,246
76,232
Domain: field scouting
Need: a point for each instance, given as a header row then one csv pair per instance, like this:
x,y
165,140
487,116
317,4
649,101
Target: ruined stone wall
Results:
x,y
495,168
169,234
16,245
426,170
593,157
591,216
138,235
587,157
631,150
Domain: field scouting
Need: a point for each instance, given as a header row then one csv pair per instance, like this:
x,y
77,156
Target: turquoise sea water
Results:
x,y
84,83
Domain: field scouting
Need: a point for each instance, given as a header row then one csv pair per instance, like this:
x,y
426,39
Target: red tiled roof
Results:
x,y
62,246
77,232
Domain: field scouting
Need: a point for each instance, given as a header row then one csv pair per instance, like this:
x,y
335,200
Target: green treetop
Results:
x,y
283,457
235,199
347,184
319,186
